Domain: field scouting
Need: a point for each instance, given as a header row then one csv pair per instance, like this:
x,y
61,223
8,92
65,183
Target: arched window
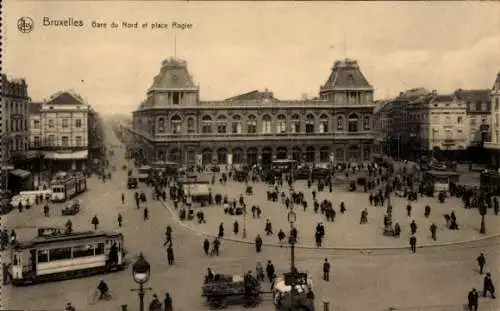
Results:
x,y
236,125
324,154
222,156
252,124
161,125
160,156
281,153
367,123
266,124
206,156
206,124
190,125
340,123
353,123
281,126
175,122
310,123
237,156
309,156
252,156
323,123
175,156
296,153
221,124
295,123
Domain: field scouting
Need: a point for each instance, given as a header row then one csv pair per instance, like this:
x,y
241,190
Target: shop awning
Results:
x,y
77,155
20,173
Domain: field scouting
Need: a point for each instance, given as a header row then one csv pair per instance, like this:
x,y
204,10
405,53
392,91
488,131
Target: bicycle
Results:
x,y
96,296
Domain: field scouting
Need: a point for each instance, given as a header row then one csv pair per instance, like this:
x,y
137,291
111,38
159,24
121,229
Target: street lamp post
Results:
x,y
141,272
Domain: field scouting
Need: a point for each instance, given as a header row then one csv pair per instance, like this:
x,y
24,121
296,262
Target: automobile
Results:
x,y
71,209
132,182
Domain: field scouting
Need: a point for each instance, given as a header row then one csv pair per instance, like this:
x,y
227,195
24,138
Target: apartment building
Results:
x,y
60,131
493,145
14,119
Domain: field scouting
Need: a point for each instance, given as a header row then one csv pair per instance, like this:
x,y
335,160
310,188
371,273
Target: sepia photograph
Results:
x,y
270,155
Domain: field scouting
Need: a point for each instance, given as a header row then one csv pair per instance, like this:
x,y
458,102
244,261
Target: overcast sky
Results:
x,y
233,47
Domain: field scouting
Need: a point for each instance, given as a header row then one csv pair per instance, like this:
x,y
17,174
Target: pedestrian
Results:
x,y
170,255
473,299
326,270
119,219
221,230
206,246
433,229
146,213
69,307
155,304
167,302
95,222
408,210
427,211
481,261
281,236
488,286
258,243
413,244
215,247
270,271
413,227
236,227
259,271
123,198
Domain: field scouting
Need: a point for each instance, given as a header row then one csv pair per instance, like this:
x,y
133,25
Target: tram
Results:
x,y
54,255
64,186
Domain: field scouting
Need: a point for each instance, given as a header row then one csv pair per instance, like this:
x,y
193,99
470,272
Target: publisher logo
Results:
x,y
25,24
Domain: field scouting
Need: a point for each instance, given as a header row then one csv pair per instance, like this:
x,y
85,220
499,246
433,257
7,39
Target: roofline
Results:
x,y
362,88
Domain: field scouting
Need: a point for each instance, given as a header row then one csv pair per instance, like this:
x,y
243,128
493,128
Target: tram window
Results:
x,y
100,249
83,251
43,256
16,260
60,253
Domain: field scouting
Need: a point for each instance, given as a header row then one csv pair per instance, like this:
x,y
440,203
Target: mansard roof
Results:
x,y
473,95
34,108
346,74
173,75
65,98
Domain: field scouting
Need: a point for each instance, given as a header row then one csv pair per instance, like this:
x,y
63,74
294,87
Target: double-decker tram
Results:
x,y
54,255
64,186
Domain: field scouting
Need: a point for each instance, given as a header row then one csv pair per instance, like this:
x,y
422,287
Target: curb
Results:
x,y
352,248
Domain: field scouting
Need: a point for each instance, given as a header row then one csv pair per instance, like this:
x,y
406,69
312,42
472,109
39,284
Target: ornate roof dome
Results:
x,y
173,75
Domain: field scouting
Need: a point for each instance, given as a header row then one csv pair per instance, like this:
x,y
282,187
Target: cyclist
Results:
x,y
103,289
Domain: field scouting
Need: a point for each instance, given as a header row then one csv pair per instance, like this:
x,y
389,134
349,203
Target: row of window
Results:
x,y
65,123
51,141
16,125
47,255
18,107
281,126
19,144
221,155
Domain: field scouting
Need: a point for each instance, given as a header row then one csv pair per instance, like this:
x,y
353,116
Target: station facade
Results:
x,y
173,124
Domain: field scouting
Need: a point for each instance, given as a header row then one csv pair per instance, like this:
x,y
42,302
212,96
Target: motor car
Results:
x,y
132,182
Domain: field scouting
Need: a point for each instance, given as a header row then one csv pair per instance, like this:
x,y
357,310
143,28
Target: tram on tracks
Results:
x,y
65,186
55,255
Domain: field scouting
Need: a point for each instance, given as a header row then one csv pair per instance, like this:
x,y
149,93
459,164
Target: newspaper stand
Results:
x,y
229,289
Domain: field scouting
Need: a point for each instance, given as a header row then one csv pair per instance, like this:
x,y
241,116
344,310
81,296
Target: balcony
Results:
x,y
263,137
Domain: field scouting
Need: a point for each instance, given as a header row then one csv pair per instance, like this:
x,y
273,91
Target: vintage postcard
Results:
x,y
189,156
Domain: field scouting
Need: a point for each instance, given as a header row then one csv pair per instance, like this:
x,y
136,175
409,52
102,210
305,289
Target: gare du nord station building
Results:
x,y
174,125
